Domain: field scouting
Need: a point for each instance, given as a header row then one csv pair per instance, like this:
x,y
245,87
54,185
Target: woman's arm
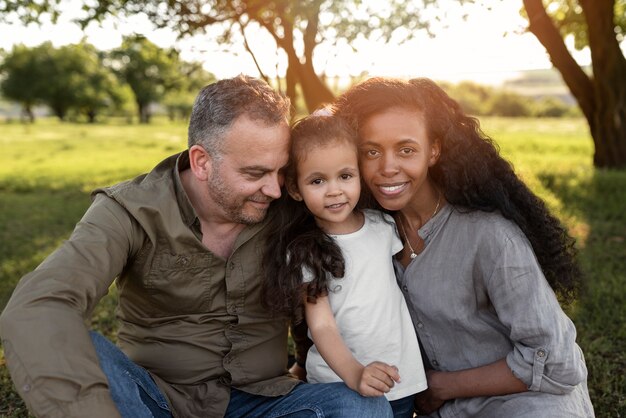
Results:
x,y
490,380
375,379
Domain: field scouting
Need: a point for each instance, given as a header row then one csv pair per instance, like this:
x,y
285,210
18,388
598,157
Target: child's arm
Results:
x,y
375,379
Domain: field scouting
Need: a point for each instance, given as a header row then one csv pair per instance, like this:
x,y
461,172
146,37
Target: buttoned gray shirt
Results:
x,y
477,294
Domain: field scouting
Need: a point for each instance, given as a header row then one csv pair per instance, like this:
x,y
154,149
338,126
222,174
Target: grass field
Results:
x,y
47,170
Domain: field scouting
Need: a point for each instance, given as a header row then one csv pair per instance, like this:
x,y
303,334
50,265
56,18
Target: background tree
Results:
x,y
25,76
600,25
297,26
69,78
192,77
101,91
150,71
77,81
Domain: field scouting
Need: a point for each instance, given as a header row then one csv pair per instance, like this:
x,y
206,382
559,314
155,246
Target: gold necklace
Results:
x,y
406,238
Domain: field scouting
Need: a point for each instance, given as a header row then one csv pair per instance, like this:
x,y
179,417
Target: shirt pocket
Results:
x,y
180,283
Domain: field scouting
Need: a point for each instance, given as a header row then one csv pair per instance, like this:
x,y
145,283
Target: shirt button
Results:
x,y
26,388
420,325
541,353
405,288
435,363
232,266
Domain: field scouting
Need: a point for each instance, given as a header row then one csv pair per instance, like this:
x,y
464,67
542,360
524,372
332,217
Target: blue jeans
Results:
x,y
403,407
137,396
132,388
307,400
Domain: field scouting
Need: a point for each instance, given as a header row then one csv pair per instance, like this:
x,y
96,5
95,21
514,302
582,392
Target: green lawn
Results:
x,y
47,170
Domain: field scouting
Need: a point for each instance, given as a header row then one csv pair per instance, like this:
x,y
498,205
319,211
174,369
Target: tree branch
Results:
x,y
242,28
546,32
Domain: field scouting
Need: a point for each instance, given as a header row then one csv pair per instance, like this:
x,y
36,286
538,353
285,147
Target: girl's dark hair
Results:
x,y
470,170
295,241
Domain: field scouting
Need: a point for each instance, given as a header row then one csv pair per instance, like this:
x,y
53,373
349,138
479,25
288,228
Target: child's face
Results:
x,y
396,154
328,182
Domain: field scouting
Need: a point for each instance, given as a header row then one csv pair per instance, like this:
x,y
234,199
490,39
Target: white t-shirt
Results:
x,y
369,308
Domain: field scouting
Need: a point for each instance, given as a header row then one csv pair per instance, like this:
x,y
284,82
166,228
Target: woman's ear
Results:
x,y
200,162
435,152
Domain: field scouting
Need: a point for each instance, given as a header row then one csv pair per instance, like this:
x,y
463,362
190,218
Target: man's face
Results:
x,y
248,174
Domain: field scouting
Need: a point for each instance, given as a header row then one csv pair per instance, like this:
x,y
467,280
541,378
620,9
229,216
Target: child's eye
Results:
x,y
317,181
346,176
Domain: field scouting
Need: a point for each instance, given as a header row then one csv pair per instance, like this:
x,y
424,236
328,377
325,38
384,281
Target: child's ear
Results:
x,y
292,189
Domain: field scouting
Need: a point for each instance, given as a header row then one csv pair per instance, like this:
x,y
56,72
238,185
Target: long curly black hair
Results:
x,y
295,241
470,171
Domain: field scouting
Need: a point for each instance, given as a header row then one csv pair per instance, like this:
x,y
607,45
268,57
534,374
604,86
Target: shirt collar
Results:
x,y
435,223
186,210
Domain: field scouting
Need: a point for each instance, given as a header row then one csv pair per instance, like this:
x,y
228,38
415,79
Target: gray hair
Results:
x,y
218,105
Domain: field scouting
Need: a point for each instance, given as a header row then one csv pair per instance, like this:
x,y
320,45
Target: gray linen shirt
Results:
x,y
476,295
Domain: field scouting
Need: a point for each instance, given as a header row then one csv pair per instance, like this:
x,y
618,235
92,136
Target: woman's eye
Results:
x,y
371,153
406,151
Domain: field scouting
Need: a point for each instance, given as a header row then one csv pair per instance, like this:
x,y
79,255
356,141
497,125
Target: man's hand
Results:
x,y
377,378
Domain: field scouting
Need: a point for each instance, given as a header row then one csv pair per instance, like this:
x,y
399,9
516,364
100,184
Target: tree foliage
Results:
x,y
24,73
150,71
297,26
193,77
69,78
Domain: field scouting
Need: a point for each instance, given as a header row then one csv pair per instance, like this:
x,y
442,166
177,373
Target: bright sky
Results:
x,y
488,47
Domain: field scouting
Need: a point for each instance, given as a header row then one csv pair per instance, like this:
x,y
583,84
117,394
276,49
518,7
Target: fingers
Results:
x,y
377,379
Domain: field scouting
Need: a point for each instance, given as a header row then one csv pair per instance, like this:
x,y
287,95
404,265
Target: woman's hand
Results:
x,y
431,399
377,378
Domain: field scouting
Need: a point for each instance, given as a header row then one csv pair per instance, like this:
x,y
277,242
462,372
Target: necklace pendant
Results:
x,y
413,255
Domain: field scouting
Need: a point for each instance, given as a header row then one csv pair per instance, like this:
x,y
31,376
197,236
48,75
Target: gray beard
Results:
x,y
233,208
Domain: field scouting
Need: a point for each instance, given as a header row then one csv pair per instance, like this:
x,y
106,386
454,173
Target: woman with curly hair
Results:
x,y
482,257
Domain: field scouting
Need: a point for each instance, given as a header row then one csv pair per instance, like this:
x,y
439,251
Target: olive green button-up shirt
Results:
x,y
191,318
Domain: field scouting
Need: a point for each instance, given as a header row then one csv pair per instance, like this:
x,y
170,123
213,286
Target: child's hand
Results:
x,y
377,379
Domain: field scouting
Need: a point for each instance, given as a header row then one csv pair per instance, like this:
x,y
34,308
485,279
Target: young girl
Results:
x,y
338,261
482,258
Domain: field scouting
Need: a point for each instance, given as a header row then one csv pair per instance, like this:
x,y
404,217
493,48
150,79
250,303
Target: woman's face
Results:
x,y
395,154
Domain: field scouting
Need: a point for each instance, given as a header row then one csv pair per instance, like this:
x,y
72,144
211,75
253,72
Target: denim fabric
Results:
x,y
322,400
403,407
134,392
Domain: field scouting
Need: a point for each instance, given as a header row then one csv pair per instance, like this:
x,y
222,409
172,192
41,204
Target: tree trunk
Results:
x,y
27,111
290,89
609,69
144,112
603,98
59,112
314,90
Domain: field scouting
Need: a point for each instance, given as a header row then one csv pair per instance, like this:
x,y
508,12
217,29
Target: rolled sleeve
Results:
x,y
545,355
48,350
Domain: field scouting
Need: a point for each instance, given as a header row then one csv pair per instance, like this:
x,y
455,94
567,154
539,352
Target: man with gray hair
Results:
x,y
183,244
